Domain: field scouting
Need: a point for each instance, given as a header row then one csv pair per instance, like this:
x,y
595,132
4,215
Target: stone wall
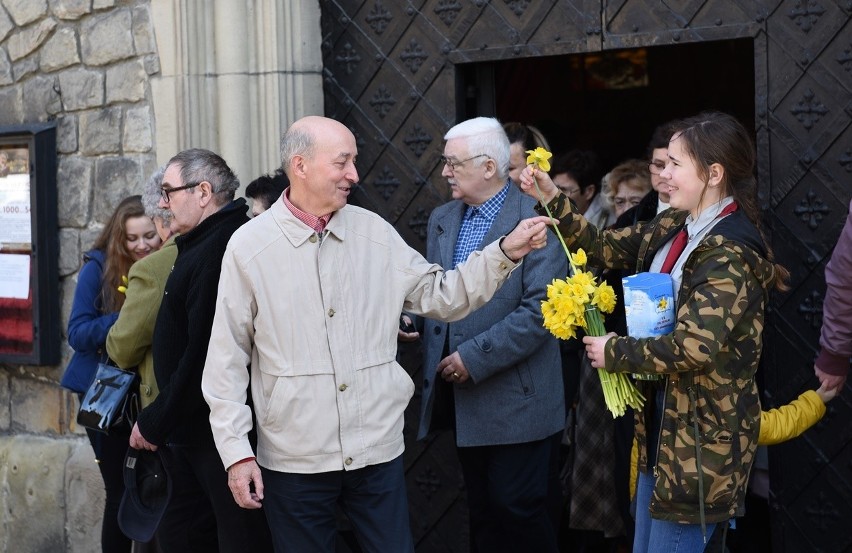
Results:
x,y
228,75
86,64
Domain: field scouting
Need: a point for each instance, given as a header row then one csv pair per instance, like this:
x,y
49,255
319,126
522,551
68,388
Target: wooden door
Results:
x,y
393,73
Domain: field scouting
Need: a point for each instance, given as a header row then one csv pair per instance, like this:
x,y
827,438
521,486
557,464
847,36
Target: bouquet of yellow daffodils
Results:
x,y
578,302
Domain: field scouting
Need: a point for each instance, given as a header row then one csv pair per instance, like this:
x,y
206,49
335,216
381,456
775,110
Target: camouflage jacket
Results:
x,y
712,410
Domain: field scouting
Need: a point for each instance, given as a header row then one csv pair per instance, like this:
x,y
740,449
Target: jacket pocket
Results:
x,y
300,411
384,391
720,470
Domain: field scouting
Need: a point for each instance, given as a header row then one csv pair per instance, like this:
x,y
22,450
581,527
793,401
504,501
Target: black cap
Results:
x,y
147,490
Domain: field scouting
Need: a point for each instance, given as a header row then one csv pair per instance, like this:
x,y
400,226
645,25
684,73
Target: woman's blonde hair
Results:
x,y
634,171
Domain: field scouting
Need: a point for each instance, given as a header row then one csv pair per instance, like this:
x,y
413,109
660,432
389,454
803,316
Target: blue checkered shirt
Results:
x,y
475,224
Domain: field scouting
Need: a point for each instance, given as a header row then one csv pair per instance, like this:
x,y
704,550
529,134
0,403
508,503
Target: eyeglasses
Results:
x,y
453,165
632,202
656,167
568,191
165,191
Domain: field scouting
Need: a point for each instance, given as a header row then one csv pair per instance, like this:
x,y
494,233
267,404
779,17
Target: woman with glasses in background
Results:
x,y
629,182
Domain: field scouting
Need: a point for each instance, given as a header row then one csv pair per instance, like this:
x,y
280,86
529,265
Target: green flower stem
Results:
x,y
618,391
572,270
594,321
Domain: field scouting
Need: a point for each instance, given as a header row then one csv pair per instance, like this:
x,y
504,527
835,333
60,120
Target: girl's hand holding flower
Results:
x,y
529,176
595,346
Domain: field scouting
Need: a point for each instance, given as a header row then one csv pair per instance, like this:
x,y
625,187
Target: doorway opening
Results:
x,y
610,102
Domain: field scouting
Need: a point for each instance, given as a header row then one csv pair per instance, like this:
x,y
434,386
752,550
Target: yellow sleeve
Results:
x,y
791,420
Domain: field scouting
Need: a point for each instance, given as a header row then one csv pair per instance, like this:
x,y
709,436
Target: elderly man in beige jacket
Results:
x,y
310,296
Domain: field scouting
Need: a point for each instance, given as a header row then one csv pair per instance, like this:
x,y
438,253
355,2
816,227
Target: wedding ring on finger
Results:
x,y
456,375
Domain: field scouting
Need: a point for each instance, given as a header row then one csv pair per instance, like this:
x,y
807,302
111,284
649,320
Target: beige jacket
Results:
x,y
317,322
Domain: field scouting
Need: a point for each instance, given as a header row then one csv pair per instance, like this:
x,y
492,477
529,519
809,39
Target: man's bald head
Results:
x,y
318,155
301,138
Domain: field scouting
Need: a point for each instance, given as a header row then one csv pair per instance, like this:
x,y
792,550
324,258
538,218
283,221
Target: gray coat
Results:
x,y
514,393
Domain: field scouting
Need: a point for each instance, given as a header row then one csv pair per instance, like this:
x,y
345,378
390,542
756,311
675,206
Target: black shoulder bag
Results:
x,y
112,398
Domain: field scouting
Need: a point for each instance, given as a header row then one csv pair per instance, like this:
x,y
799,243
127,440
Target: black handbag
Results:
x,y
112,398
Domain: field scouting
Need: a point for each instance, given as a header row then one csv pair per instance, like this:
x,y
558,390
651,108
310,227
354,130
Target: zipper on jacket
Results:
x,y
694,408
660,435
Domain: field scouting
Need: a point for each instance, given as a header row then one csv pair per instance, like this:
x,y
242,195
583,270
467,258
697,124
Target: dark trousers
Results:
x,y
202,515
110,451
301,508
508,487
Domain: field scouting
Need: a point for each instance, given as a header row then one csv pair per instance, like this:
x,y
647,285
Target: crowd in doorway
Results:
x,y
272,399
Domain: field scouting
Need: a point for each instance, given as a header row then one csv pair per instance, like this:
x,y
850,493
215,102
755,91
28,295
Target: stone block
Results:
x,y
152,64
5,415
84,499
101,4
89,234
24,12
81,88
66,290
74,186
6,25
6,76
59,51
11,106
69,251
143,31
65,354
70,9
106,38
33,516
25,41
148,163
125,82
42,98
115,179
138,127
100,131
37,406
66,134
25,67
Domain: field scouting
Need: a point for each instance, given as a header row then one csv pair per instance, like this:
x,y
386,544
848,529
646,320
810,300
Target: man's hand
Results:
x,y
545,185
595,346
406,332
138,441
829,380
530,234
452,369
241,476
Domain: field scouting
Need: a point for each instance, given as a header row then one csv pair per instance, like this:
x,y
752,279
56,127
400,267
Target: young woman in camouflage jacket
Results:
x,y
698,432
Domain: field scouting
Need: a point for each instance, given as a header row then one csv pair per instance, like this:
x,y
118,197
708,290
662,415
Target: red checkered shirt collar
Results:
x,y
316,223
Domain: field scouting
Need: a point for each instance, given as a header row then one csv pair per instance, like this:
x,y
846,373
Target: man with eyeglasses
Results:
x,y
310,295
198,189
500,395
578,174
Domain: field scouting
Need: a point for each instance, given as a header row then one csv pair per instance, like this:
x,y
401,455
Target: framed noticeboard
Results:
x,y
29,246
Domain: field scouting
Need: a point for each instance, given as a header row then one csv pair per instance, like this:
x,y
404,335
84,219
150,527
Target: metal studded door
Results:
x,y
392,73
